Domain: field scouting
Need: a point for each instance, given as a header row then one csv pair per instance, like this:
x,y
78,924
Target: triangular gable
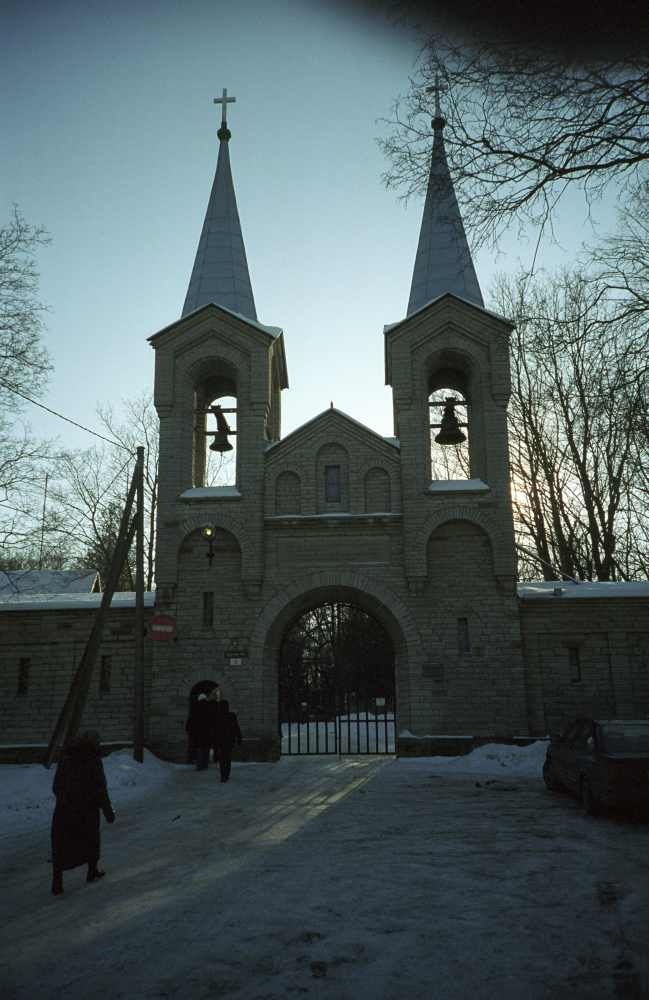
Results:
x,y
388,446
274,332
392,331
435,304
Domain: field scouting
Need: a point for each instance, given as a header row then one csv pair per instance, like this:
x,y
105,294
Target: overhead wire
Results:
x,y
55,413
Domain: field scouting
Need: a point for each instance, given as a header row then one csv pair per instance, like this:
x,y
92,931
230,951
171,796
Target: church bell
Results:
x,y
450,432
220,442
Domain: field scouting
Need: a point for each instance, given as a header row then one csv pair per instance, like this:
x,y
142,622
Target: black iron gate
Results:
x,y
336,683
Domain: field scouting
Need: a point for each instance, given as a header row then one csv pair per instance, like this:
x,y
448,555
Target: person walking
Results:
x,y
81,792
199,727
213,700
227,733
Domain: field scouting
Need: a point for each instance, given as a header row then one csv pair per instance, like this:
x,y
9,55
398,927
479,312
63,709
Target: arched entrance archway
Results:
x,y
336,681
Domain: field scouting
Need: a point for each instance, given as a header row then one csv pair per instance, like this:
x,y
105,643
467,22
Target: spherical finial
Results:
x,y
224,134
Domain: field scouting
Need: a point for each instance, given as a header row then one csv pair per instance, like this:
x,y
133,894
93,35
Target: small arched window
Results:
x,y
332,470
377,491
288,493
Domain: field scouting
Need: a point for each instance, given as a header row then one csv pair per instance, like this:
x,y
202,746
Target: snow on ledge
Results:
x,y
559,590
407,734
454,485
339,516
71,602
210,493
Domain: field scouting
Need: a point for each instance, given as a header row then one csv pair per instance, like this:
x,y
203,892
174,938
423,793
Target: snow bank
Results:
x,y
26,799
491,760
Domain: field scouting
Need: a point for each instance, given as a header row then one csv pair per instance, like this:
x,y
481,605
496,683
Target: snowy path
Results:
x,y
351,879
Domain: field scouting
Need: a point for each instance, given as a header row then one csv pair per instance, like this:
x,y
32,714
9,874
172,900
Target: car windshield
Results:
x,y
624,737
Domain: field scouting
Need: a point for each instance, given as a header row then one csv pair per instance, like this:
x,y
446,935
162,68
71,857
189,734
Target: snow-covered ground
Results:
x,y
351,878
26,799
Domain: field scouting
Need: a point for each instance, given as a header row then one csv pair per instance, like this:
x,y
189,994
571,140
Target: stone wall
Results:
x,y
443,686
585,656
472,630
39,653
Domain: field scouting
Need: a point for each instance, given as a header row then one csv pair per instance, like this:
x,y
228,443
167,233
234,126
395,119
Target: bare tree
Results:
x,y
24,363
577,430
24,367
621,261
85,499
522,126
89,488
138,425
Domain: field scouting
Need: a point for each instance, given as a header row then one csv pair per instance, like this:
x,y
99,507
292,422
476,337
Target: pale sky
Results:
x,y
109,141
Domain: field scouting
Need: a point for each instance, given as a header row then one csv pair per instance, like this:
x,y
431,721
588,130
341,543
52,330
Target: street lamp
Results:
x,y
208,534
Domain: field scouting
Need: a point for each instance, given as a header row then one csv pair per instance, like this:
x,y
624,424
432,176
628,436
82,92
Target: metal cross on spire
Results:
x,y
437,89
224,101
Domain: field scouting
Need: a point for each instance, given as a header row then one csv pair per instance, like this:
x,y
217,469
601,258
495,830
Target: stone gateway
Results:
x,y
333,515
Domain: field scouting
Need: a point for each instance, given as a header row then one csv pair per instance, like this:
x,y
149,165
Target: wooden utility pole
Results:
x,y
40,553
138,681
69,720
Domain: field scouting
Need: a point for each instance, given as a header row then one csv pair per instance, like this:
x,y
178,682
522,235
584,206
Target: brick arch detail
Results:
x,y
328,443
502,565
350,581
206,353
288,474
226,521
385,476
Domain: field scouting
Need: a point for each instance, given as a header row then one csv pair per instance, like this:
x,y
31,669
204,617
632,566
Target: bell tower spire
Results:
x,y
220,272
443,262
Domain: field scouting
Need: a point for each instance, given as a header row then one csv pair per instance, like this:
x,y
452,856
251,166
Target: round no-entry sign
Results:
x,y
162,627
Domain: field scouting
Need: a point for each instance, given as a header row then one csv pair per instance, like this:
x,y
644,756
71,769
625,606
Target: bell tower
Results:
x,y
448,365
218,380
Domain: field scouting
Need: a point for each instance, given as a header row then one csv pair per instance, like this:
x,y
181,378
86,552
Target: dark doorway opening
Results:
x,y
336,683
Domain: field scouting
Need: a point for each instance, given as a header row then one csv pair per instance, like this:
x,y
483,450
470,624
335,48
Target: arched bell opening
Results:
x,y
336,682
451,418
215,428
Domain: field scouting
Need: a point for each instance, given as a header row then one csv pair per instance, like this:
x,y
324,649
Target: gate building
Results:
x,y
333,537
348,592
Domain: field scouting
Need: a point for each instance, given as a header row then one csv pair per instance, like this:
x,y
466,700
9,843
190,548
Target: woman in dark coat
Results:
x,y
226,734
80,789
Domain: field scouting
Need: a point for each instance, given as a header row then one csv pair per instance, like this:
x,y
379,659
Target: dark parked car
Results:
x,y
605,762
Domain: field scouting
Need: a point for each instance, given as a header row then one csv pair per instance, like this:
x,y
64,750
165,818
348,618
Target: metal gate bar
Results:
x,y
336,671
